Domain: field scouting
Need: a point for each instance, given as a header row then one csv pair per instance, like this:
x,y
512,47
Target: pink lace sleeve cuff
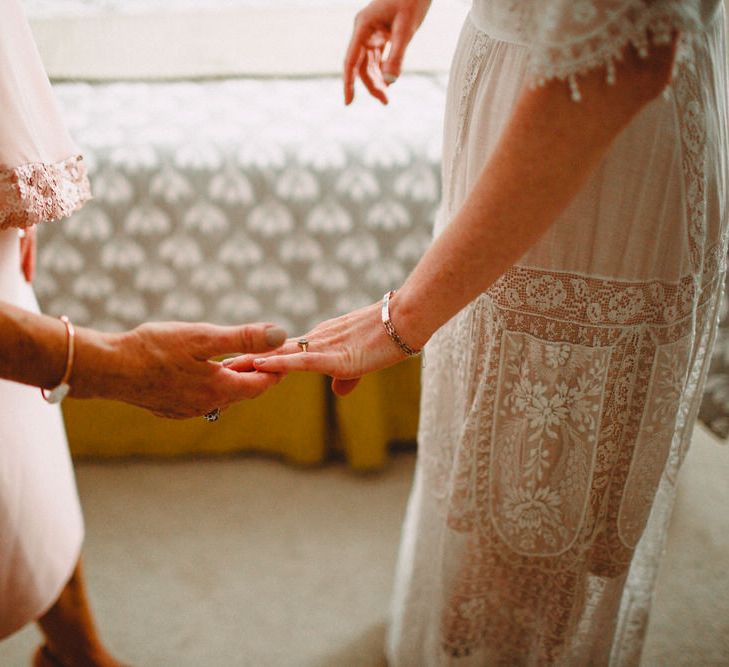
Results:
x,y
40,192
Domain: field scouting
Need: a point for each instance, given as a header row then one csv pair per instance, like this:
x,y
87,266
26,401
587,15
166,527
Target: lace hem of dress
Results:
x,y
41,191
637,25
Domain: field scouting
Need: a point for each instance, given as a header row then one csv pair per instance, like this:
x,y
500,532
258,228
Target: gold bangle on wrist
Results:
x,y
59,392
390,327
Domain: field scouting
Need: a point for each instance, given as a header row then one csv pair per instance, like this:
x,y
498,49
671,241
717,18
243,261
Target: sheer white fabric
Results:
x,y
557,407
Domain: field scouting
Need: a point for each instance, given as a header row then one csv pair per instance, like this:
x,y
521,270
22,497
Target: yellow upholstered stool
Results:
x,y
298,419
289,420
382,409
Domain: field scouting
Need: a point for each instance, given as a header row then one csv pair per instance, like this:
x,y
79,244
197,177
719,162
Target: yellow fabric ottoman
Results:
x,y
299,420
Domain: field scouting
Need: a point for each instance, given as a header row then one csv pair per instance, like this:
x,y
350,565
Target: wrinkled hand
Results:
x,y
380,23
28,253
344,348
167,368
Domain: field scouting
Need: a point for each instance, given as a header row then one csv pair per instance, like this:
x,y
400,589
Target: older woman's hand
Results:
x,y
167,368
380,23
345,348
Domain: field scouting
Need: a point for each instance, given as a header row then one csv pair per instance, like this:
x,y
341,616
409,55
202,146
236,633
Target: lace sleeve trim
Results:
x,y
639,24
40,191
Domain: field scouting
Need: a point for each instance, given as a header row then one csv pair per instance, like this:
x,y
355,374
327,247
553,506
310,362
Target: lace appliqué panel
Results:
x,y
581,381
40,192
548,410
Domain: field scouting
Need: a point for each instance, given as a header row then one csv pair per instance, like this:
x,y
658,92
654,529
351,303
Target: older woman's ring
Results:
x,y
212,416
303,343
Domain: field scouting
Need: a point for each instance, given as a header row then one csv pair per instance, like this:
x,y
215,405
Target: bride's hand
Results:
x,y
379,23
345,348
28,253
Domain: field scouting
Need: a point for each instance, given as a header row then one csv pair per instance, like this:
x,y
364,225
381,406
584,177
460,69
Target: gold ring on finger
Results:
x,y
303,343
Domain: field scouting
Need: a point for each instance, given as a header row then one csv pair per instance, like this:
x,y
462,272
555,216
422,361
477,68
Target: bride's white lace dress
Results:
x,y
558,406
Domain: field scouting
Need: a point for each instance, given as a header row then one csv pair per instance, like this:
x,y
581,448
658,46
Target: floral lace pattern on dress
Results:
x,y
557,492
41,192
557,408
548,414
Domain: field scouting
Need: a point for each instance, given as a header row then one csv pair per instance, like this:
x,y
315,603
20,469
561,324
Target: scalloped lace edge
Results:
x,y
638,26
41,192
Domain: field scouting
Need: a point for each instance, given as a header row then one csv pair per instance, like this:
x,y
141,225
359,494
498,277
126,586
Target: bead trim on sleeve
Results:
x,y
640,24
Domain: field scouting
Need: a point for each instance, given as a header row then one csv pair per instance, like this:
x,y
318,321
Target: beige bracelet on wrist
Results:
x,y
390,327
59,392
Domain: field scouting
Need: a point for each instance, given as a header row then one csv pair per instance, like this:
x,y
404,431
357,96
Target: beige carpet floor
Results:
x,y
245,561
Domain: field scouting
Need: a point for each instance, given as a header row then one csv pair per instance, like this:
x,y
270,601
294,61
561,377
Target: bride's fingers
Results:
x,y
344,387
244,363
402,32
369,73
303,361
366,34
240,364
375,69
350,74
355,53
375,72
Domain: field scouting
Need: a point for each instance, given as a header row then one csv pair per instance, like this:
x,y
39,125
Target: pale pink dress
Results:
x,y
41,179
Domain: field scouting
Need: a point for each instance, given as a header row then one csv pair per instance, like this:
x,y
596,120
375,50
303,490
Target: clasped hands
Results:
x,y
345,348
354,344
167,368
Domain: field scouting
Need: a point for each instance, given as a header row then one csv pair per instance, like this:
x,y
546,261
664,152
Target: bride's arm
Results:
x,y
548,149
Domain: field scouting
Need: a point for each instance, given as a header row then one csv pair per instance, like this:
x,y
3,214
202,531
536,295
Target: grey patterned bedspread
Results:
x,y
242,200
252,199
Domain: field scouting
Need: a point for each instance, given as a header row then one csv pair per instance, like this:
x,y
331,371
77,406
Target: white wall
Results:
x,y
107,39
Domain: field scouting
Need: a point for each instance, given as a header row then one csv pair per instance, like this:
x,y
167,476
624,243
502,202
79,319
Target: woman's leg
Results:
x,y
72,639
